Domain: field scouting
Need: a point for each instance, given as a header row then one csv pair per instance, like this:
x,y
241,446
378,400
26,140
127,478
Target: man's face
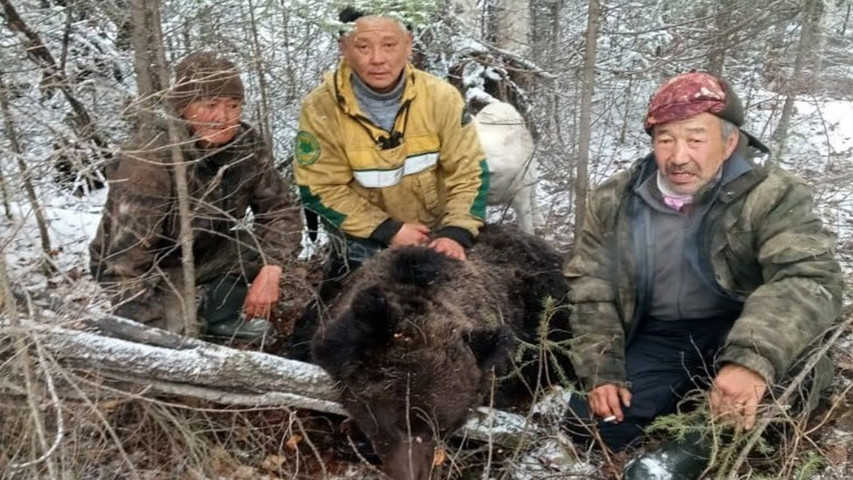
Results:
x,y
377,50
213,121
689,152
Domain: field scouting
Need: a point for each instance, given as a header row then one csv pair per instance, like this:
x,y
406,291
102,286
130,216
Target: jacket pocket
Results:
x,y
428,186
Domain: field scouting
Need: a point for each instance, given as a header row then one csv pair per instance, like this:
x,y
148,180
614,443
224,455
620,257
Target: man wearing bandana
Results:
x,y
701,268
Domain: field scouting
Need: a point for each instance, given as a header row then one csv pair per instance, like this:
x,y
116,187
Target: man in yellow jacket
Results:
x,y
386,153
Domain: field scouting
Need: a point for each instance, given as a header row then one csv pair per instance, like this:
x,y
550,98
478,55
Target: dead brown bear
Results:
x,y
415,335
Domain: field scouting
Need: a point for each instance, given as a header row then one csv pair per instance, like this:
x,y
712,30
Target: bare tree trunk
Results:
x,y
5,193
822,16
795,81
722,21
176,140
513,26
469,12
66,38
9,126
585,120
551,50
149,84
264,117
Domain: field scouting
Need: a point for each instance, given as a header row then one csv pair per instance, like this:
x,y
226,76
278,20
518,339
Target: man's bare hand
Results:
x,y
263,294
736,394
449,247
410,234
607,400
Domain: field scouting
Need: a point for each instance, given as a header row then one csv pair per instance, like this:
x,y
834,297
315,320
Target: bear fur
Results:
x,y
416,338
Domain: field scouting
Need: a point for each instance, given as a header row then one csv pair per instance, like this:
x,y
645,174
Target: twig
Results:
x,y
19,339
789,391
60,420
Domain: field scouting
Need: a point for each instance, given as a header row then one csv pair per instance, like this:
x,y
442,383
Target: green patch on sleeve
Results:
x,y
312,202
307,150
478,208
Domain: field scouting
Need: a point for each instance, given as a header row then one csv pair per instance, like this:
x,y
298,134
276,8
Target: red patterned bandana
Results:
x,y
685,96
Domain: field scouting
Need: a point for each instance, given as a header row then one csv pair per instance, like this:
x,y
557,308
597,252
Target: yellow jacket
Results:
x,y
437,175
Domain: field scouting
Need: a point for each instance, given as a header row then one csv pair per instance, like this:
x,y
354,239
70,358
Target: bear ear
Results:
x,y
491,346
371,318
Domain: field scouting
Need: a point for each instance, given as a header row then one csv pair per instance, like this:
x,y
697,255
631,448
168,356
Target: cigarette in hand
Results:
x,y
609,419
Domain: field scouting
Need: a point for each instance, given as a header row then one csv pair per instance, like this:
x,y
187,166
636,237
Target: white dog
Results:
x,y
509,152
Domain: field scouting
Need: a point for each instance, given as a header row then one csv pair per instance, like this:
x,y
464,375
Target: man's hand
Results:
x,y
736,394
607,401
449,247
263,294
410,234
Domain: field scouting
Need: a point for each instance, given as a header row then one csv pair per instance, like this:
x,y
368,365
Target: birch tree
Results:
x,y
585,120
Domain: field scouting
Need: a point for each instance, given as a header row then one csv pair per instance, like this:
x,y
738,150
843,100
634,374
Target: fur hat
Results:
x,y
690,94
203,75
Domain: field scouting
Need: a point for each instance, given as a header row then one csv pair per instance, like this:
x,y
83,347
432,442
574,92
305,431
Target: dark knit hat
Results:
x,y
690,94
203,75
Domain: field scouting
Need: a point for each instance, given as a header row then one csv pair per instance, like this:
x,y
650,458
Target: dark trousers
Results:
x,y
219,300
347,255
665,361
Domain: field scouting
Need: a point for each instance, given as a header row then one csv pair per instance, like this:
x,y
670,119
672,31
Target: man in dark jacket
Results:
x,y
136,254
702,267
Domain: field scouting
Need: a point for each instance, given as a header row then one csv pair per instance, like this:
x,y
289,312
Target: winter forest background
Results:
x,y
77,75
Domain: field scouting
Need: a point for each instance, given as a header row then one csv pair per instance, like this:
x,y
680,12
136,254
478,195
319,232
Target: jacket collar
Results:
x,y
244,139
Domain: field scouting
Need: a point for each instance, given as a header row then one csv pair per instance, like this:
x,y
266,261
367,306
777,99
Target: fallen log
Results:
x,y
164,362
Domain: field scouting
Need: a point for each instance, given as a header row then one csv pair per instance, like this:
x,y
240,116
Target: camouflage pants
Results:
x,y
221,281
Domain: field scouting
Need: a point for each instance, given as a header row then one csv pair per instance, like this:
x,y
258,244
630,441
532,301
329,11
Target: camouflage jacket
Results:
x,y
139,229
759,242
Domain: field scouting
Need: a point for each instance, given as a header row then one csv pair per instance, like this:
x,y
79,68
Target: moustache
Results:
x,y
681,169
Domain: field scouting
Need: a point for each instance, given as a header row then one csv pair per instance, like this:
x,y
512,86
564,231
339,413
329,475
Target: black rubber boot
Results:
x,y
254,330
222,311
684,459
